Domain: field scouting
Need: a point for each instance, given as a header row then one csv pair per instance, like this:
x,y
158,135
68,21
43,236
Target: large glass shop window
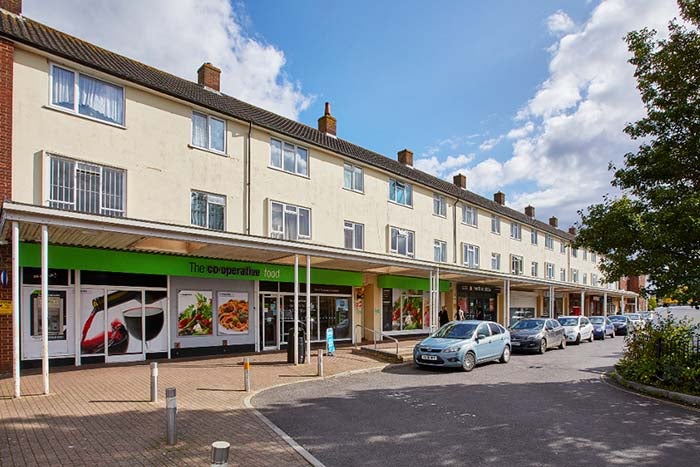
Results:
x,y
404,310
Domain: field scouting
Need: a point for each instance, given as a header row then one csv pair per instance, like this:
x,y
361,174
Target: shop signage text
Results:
x,y
224,270
5,307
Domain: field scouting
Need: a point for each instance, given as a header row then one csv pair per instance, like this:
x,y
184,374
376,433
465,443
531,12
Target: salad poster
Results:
x,y
232,314
194,310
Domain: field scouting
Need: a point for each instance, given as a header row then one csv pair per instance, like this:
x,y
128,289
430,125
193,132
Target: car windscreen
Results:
x,y
618,318
633,316
528,324
568,321
456,330
597,320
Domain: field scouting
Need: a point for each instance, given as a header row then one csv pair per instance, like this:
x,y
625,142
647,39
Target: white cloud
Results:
x,y
444,168
178,36
490,143
521,132
560,22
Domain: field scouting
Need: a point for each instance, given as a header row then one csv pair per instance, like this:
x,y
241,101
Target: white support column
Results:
x,y
636,303
436,319
583,302
506,302
77,320
45,307
430,300
308,309
15,308
622,304
296,311
605,304
551,301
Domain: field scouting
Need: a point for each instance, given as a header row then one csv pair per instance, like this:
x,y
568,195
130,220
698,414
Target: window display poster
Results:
x,y
407,310
232,314
194,313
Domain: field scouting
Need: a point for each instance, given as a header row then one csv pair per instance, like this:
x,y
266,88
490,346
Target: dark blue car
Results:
x,y
602,327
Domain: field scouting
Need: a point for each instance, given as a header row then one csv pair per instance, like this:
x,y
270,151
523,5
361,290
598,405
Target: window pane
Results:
x,y
359,179
199,130
276,218
400,193
401,245
87,179
276,153
289,157
302,161
304,222
359,236
347,177
409,195
392,190
348,232
394,240
112,192
410,242
198,207
216,216
63,88
218,134
101,100
62,195
291,224
436,252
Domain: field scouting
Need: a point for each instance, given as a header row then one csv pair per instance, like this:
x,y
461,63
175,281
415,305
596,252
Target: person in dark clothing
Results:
x,y
443,318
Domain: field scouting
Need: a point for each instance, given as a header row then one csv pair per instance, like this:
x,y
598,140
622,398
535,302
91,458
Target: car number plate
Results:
x,y
429,357
514,343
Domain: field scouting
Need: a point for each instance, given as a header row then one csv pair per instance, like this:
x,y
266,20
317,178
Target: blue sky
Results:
x,y
525,97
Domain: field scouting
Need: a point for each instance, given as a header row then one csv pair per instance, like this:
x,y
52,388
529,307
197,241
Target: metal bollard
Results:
x,y
219,453
246,374
154,382
320,363
170,411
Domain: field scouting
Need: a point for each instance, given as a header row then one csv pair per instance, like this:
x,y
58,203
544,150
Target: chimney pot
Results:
x,y
327,123
572,230
553,221
406,157
530,211
500,198
209,76
460,180
13,6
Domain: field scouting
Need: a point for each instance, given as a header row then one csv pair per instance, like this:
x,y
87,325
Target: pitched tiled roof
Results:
x,y
26,31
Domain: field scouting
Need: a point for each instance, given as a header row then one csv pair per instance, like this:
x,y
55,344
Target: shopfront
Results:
x,y
478,301
406,304
558,305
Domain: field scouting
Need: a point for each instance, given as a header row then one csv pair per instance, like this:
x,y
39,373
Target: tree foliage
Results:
x,y
654,228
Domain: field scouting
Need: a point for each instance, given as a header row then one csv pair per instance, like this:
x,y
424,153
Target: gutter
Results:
x,y
247,184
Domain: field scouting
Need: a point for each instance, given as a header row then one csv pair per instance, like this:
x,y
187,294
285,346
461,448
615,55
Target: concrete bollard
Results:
x,y
219,453
170,412
320,363
154,382
246,373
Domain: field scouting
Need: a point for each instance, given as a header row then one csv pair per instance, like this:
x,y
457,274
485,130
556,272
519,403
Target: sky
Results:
x,y
529,98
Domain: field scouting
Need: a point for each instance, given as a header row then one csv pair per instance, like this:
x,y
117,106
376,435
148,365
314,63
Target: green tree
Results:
x,y
654,228
651,304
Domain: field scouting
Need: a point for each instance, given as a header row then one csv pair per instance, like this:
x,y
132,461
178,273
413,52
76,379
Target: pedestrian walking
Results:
x,y
443,318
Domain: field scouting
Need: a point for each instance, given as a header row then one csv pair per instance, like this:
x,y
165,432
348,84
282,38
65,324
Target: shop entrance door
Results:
x,y
270,322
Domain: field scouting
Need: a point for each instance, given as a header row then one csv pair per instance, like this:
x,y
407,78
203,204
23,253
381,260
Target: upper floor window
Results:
x,y
439,205
562,247
549,270
89,188
585,278
289,222
440,251
207,210
402,241
574,252
469,215
400,192
533,237
86,95
470,255
593,257
534,269
585,255
574,275
353,178
594,279
562,274
289,157
495,224
496,261
208,132
516,265
354,235
549,242
515,230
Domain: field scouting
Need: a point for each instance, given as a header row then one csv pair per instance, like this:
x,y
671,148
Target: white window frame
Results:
x,y
470,255
516,231
496,261
533,236
440,251
574,252
534,269
516,265
439,205
210,202
584,255
209,118
289,208
296,147
470,215
353,177
594,279
574,275
585,278
562,274
548,241
594,258
352,226
495,224
408,192
410,237
562,248
76,95
549,270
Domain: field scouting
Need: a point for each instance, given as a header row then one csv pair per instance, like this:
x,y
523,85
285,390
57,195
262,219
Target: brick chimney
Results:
x,y
500,198
553,221
326,124
572,230
460,180
406,157
530,211
13,6
209,76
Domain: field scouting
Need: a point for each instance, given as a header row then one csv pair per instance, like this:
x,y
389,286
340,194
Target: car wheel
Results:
x,y
590,338
468,362
578,339
612,336
543,346
505,356
562,344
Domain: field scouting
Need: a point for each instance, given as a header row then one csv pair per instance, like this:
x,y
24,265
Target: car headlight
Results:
x,y
531,338
452,349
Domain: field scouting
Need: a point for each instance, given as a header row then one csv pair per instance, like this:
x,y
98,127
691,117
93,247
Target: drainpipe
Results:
x,y
248,162
454,233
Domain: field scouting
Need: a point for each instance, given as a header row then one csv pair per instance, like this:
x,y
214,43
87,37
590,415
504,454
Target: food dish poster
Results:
x,y
232,313
194,313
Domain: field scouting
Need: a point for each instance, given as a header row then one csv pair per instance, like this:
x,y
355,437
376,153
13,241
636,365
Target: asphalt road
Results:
x,y
552,409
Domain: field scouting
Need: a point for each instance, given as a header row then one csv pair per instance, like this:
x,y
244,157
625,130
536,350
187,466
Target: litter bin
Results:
x,y
302,345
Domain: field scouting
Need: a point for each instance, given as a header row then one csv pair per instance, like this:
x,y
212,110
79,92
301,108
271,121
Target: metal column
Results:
x,y
15,307
551,301
430,300
605,304
437,298
583,302
506,302
636,303
296,311
308,310
45,307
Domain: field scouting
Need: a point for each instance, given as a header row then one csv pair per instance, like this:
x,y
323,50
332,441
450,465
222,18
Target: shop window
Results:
x,y
208,132
515,231
440,251
495,224
470,255
516,265
289,222
207,210
353,178
289,157
402,241
354,235
89,188
400,192
439,205
470,216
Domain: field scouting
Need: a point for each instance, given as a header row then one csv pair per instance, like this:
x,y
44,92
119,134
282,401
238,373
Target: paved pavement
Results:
x,y
552,409
100,415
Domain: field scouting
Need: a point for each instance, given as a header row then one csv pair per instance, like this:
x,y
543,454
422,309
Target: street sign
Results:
x,y
330,343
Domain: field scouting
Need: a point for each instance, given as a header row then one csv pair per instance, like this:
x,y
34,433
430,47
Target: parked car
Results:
x,y
576,328
602,327
537,334
465,344
646,316
635,320
622,324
